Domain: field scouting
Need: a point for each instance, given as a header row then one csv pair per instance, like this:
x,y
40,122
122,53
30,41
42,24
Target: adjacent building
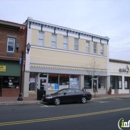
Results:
x,y
11,35
62,57
119,76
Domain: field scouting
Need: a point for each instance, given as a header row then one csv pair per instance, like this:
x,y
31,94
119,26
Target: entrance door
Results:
x,y
0,86
95,84
43,83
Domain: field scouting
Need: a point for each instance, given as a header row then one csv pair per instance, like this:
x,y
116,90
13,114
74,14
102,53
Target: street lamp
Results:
x,y
21,64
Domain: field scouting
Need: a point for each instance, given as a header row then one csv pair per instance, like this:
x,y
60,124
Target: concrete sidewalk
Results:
x,y
33,100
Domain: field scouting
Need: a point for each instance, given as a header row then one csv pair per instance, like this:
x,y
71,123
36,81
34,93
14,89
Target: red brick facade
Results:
x,y
18,31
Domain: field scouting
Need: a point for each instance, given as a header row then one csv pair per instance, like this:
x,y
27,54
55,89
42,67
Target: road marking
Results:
x,y
103,101
46,106
62,117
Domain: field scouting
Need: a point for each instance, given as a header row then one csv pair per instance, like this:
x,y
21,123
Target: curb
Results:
x,y
40,102
19,102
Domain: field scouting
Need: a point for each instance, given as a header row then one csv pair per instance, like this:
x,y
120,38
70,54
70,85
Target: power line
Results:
x,y
120,46
121,51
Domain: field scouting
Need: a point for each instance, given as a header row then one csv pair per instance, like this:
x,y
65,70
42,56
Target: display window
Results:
x,y
10,82
74,81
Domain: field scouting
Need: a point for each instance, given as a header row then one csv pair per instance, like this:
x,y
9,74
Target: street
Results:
x,y
94,115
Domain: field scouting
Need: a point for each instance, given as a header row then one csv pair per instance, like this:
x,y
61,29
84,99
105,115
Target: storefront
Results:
x,y
52,82
9,78
119,76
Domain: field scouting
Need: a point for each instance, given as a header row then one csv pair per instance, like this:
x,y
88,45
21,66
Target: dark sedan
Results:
x,y
67,95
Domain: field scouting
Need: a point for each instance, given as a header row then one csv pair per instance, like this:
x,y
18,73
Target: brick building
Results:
x,y
10,70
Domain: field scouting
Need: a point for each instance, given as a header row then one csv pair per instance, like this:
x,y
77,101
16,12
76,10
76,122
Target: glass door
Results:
x,y
95,84
43,83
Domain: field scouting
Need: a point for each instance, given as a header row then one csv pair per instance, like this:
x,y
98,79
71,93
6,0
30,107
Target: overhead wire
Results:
x,y
119,47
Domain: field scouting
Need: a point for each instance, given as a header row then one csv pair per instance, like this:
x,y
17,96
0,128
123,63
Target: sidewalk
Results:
x,y
33,100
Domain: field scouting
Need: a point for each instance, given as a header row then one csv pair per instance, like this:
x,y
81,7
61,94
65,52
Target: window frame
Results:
x,y
102,49
53,41
65,43
12,45
95,48
87,47
76,44
41,39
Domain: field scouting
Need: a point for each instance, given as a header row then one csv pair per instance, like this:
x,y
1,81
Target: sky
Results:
x,y
109,18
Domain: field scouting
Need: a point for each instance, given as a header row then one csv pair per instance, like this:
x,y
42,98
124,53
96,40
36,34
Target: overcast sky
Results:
x,y
102,17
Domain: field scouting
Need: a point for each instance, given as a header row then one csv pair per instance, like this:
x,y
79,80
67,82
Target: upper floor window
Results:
x,y
76,44
53,40
10,44
95,48
65,43
87,46
101,49
41,38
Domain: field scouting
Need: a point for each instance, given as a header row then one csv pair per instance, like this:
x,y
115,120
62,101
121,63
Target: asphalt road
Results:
x,y
95,115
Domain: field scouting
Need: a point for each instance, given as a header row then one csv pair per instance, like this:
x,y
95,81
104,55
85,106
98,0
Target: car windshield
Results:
x,y
61,91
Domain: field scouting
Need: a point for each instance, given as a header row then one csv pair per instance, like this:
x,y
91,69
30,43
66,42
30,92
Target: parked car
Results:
x,y
67,95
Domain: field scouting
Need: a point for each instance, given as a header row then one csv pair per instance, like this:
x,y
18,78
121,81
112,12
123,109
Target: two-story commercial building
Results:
x,y
11,35
62,57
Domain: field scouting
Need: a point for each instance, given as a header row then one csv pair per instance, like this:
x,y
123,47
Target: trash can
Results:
x,y
40,93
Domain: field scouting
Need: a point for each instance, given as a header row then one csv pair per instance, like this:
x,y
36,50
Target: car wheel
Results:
x,y
83,100
57,101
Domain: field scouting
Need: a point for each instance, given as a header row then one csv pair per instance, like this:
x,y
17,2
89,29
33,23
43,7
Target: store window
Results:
x,y
10,82
116,82
127,82
32,81
64,81
87,82
101,82
53,82
74,81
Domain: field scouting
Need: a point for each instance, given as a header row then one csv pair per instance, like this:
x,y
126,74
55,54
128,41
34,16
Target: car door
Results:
x,y
70,95
78,95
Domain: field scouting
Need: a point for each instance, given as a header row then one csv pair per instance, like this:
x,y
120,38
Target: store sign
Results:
x,y
127,69
2,68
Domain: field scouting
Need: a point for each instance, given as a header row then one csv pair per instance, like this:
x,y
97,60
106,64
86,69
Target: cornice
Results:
x,y
67,30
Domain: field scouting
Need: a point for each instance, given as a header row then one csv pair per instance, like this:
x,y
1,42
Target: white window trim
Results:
x,y
76,45
101,49
95,48
65,43
87,47
41,39
53,41
13,45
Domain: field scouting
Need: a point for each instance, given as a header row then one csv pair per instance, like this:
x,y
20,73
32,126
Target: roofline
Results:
x,y
11,23
118,60
40,22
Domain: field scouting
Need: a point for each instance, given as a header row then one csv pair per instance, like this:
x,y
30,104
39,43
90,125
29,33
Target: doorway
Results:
x,y
95,84
43,83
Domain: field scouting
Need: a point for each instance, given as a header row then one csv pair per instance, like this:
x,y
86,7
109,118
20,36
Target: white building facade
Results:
x,y
61,57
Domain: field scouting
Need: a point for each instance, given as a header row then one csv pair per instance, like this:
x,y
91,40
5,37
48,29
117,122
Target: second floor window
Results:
x,y
10,44
76,44
101,49
41,38
95,48
53,40
65,43
87,46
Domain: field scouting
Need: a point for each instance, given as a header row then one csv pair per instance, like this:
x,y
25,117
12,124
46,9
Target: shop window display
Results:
x,y
74,81
10,82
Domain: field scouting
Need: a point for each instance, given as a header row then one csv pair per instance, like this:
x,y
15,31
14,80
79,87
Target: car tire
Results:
x,y
57,101
83,100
